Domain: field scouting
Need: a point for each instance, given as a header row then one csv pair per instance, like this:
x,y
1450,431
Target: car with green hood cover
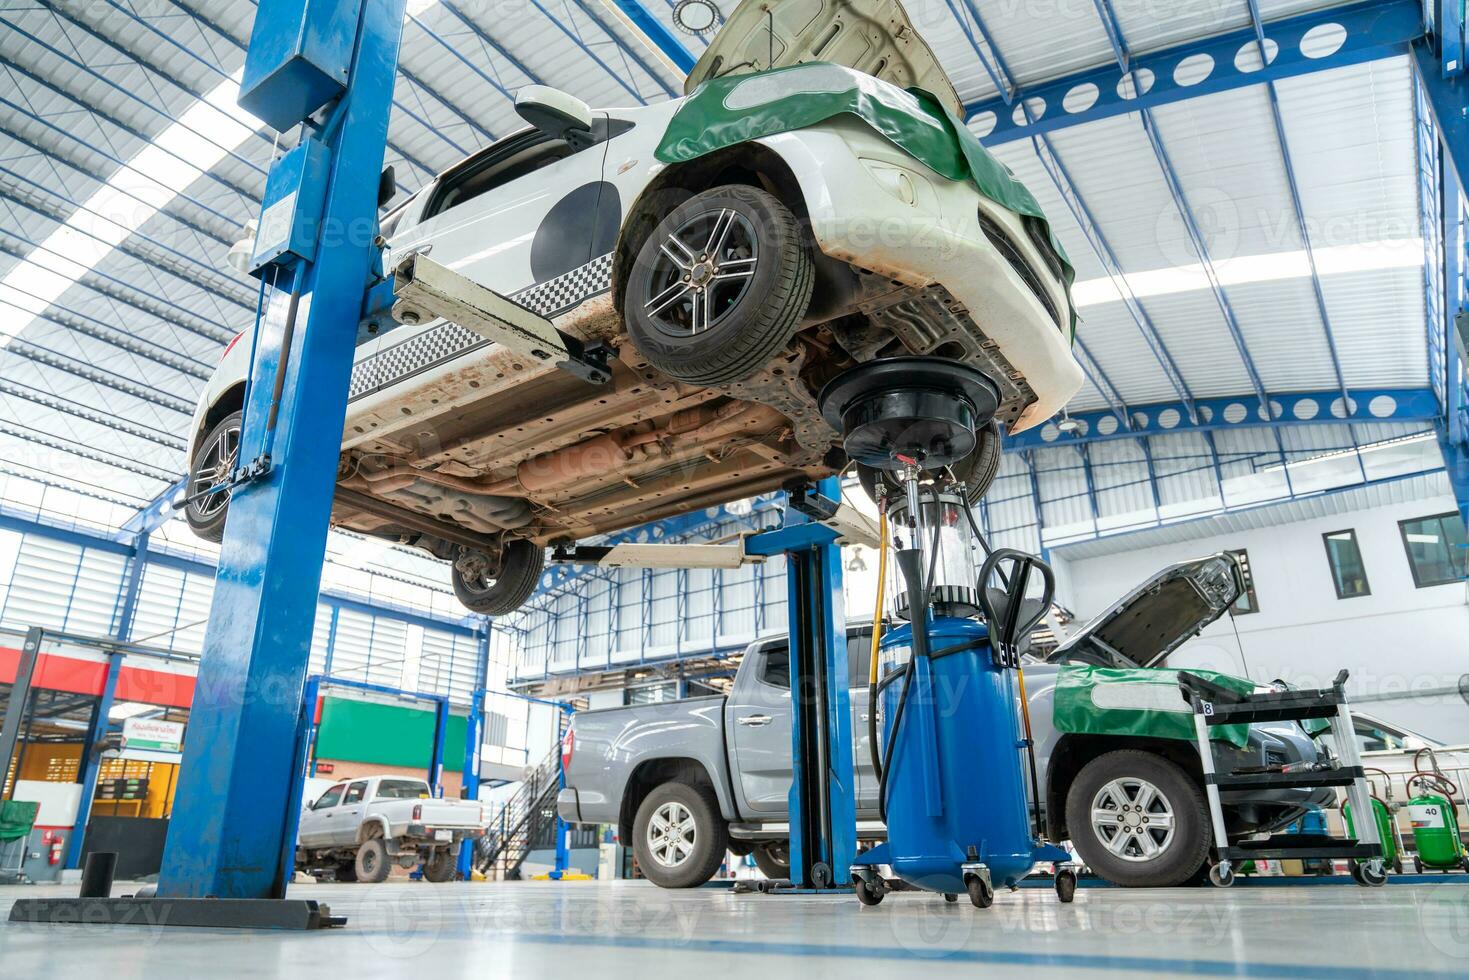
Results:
x,y
813,202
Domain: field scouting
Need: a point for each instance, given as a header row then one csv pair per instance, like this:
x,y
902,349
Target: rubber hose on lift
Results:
x,y
882,573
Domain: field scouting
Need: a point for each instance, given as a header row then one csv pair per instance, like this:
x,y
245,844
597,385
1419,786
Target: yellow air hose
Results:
x,y
882,571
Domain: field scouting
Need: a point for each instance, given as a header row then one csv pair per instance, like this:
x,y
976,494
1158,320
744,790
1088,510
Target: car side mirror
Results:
x,y
555,113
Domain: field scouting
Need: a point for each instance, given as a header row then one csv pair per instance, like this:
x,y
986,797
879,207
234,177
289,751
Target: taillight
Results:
x,y
231,345
418,811
568,746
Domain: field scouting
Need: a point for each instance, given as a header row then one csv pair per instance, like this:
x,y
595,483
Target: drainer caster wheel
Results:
x,y
950,897
980,893
1066,886
866,894
1220,877
1367,875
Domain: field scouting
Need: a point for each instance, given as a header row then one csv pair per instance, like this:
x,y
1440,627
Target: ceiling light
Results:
x,y
697,17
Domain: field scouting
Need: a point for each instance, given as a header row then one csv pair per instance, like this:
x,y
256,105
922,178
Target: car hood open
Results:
x,y
873,36
1143,627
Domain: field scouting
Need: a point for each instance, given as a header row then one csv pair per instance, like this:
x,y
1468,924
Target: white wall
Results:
x,y
1398,638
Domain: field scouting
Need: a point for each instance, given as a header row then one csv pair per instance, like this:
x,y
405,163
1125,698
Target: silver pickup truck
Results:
x,y
685,780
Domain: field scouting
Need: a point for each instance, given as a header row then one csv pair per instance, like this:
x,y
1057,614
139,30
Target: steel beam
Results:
x,y
1375,30
16,703
1242,412
657,34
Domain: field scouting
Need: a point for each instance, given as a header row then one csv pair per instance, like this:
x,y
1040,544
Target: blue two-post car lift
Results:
x,y
328,67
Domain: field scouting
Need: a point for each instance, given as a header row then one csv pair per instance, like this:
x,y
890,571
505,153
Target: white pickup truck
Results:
x,y
359,829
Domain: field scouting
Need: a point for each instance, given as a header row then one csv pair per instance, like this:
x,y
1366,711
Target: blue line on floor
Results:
x,y
988,957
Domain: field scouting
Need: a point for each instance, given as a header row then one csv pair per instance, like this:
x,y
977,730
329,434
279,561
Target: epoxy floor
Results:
x,y
592,931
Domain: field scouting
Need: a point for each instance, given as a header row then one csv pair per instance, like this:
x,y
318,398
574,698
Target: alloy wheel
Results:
x,y
701,273
1133,819
672,834
218,464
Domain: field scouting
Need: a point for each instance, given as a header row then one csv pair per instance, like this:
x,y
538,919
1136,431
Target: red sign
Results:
x,y
325,768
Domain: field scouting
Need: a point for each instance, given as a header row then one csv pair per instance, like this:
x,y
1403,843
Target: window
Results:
x,y
402,789
331,797
1348,573
651,693
355,792
776,668
1247,602
1436,549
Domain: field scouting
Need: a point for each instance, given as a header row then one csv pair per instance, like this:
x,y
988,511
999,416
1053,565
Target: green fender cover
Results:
x,y
1136,701
17,817
739,108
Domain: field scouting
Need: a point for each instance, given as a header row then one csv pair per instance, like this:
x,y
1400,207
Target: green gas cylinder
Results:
x,y
1435,830
1384,831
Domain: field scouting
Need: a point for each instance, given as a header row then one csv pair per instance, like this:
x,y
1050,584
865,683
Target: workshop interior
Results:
x,y
595,485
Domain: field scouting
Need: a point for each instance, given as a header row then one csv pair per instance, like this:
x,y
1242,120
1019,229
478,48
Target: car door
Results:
x,y
349,813
316,824
760,713
525,212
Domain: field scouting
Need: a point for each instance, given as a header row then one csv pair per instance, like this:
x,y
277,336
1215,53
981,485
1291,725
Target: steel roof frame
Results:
x,y
1375,30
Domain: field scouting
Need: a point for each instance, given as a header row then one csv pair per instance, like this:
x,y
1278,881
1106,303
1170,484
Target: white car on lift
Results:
x,y
812,203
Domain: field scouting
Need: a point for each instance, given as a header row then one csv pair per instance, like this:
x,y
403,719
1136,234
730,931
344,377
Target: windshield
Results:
x,y
402,789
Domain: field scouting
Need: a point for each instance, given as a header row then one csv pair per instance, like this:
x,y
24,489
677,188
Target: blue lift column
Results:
x,y
823,804
338,57
326,69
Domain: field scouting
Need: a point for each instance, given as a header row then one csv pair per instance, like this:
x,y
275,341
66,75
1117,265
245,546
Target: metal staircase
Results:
x,y
520,824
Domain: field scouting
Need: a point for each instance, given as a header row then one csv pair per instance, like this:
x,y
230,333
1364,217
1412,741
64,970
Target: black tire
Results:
x,y
773,858
373,864
1178,854
441,866
1364,875
977,470
1221,878
217,454
866,894
708,838
1417,865
520,573
981,895
748,327
950,897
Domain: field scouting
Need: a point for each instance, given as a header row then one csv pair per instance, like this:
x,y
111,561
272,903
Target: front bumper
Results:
x,y
873,206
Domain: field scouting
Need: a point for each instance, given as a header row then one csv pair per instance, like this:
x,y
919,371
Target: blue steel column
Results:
x,y
436,759
469,777
816,612
92,759
232,831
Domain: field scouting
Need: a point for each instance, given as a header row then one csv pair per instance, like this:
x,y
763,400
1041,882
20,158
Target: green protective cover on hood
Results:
x,y
1136,701
17,817
737,109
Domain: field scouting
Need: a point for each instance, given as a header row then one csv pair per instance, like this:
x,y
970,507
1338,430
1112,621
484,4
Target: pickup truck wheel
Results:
x,y
719,287
372,864
679,837
520,573
1138,819
441,866
210,466
773,858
